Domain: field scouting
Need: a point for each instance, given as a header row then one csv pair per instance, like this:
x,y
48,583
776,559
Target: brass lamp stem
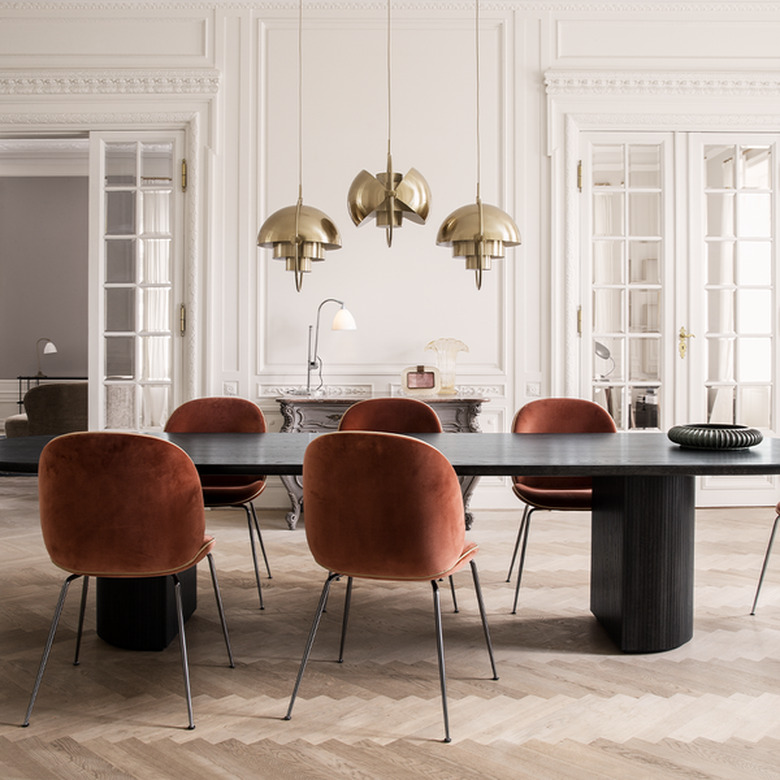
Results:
x,y
300,101
479,143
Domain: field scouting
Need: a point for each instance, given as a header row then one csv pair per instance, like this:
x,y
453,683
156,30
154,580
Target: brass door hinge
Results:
x,y
182,318
579,175
184,176
579,321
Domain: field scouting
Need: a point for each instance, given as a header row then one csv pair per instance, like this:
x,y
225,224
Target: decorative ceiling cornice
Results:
x,y
740,7
113,82
660,83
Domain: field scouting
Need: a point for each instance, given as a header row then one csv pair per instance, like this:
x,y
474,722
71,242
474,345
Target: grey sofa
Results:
x,y
51,409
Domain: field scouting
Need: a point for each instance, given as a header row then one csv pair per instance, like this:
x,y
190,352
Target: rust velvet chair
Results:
x,y
553,415
360,524
391,415
394,415
154,525
227,415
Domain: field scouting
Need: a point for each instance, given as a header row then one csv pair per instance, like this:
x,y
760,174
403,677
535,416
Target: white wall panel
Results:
x,y
415,291
105,38
693,40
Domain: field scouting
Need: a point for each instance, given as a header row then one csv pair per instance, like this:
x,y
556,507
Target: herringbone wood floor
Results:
x,y
568,705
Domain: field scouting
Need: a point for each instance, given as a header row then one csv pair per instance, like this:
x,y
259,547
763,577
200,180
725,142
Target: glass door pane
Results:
x,y
139,279
739,192
626,299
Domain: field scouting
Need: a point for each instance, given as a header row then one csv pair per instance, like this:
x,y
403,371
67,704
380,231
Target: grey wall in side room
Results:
x,y
43,274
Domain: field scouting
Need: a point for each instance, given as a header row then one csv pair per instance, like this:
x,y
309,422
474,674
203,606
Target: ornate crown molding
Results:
x,y
113,82
660,83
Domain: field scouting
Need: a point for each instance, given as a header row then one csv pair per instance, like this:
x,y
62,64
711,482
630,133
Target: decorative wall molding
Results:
x,y
559,6
589,83
110,82
341,391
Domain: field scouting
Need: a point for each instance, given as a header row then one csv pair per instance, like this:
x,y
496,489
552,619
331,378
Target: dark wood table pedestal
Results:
x,y
641,581
140,614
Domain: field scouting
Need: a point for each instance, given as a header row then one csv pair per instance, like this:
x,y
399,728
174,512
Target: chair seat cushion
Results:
x,y
414,572
549,497
229,490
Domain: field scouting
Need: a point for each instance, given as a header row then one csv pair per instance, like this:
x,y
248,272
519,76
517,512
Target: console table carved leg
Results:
x,y
294,488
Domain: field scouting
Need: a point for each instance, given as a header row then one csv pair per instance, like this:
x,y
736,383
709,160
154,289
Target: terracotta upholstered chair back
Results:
x,y
362,523
559,415
217,415
56,408
392,415
120,505
227,415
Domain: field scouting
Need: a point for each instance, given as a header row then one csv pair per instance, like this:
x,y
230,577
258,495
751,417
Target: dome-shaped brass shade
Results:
x,y
390,197
299,235
479,232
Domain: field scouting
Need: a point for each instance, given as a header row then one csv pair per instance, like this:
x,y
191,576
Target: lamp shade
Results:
x,y
344,320
299,235
390,201
479,232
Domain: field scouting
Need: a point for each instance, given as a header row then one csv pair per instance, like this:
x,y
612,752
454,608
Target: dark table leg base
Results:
x,y
642,560
140,614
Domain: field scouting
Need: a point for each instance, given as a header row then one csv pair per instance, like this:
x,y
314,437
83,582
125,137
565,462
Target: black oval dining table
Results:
x,y
643,518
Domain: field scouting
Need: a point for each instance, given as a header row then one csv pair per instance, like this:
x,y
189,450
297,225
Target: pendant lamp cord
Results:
x,y
299,204
479,145
300,99
389,83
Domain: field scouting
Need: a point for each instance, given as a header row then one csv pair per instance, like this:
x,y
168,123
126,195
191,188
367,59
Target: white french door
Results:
x,y
678,285
136,272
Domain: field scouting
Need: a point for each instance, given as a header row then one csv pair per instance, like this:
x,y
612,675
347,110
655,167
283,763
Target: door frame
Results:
x,y
682,102
580,101
162,101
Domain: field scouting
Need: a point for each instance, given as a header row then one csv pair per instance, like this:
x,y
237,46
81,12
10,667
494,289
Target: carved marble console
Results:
x,y
307,414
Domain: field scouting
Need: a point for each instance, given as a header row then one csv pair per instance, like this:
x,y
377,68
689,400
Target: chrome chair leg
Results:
x,y
82,609
310,641
218,597
260,539
521,565
47,647
766,562
183,647
345,618
254,553
481,603
440,655
454,597
520,530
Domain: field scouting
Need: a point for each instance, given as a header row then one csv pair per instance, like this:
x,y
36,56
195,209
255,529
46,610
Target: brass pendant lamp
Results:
x,y
389,196
479,232
299,234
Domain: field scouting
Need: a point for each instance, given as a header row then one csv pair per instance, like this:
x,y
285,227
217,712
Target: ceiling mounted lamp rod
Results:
x,y
389,196
478,231
299,234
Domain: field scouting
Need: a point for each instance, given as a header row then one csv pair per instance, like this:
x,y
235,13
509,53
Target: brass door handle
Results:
x,y
683,341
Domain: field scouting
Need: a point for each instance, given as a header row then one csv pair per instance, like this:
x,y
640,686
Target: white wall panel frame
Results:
x,y
66,36
498,41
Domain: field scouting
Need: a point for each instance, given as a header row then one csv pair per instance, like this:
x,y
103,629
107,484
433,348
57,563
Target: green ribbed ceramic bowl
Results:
x,y
709,436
